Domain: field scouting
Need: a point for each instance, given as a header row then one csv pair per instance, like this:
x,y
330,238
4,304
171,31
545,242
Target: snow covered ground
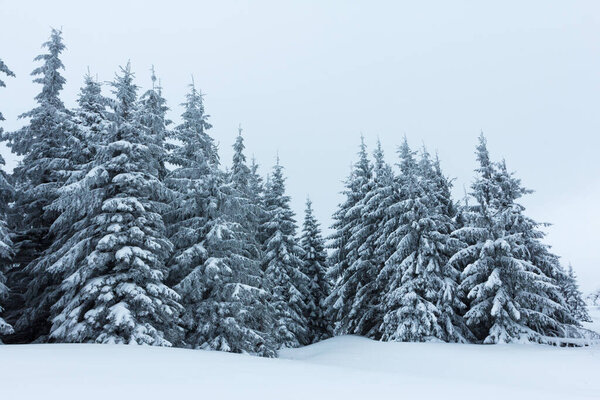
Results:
x,y
345,367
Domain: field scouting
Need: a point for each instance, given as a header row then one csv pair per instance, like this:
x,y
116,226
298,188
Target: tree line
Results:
x,y
118,226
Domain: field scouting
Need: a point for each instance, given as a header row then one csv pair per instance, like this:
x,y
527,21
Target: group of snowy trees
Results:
x,y
101,242
116,227
410,264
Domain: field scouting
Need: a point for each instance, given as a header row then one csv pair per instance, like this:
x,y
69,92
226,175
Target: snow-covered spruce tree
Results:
x,y
367,237
116,293
285,279
539,254
76,199
510,298
196,160
152,115
443,278
345,252
315,268
6,195
419,287
573,296
47,146
256,188
247,187
226,307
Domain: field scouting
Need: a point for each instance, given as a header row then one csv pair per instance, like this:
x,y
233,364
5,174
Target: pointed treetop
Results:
x,y
240,173
379,157
125,91
363,166
308,205
483,157
378,147
363,148
276,179
407,161
153,76
436,163
90,96
49,75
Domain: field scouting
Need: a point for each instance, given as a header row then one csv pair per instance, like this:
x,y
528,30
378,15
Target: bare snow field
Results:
x,y
344,367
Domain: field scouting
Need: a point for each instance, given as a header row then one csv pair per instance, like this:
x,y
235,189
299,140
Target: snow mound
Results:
x,y
345,367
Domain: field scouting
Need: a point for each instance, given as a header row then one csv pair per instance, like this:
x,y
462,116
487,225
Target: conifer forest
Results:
x,y
119,226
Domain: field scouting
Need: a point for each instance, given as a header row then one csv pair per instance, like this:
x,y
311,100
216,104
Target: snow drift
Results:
x,y
346,367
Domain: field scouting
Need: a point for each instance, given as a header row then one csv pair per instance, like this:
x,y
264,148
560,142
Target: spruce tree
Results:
x,y
192,180
6,245
285,279
226,305
510,297
441,277
47,145
76,200
345,250
247,189
314,258
419,288
573,296
152,116
367,236
256,189
117,294
371,233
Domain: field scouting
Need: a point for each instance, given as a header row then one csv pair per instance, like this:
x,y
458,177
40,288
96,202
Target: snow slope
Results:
x,y
345,367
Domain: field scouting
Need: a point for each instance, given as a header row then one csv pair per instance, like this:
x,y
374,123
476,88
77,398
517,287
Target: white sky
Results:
x,y
306,78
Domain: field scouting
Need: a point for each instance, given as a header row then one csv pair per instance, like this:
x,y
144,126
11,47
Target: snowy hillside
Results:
x,y
341,368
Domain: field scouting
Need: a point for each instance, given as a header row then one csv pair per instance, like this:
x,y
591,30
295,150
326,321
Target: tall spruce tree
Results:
x,y
117,294
345,250
314,258
510,297
247,187
47,145
256,189
416,282
152,115
285,279
441,277
367,236
192,180
373,251
226,305
76,200
6,245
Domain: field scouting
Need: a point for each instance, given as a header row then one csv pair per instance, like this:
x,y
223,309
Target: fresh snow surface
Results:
x,y
345,367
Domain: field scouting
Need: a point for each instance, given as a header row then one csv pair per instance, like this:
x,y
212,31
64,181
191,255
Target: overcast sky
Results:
x,y
306,78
